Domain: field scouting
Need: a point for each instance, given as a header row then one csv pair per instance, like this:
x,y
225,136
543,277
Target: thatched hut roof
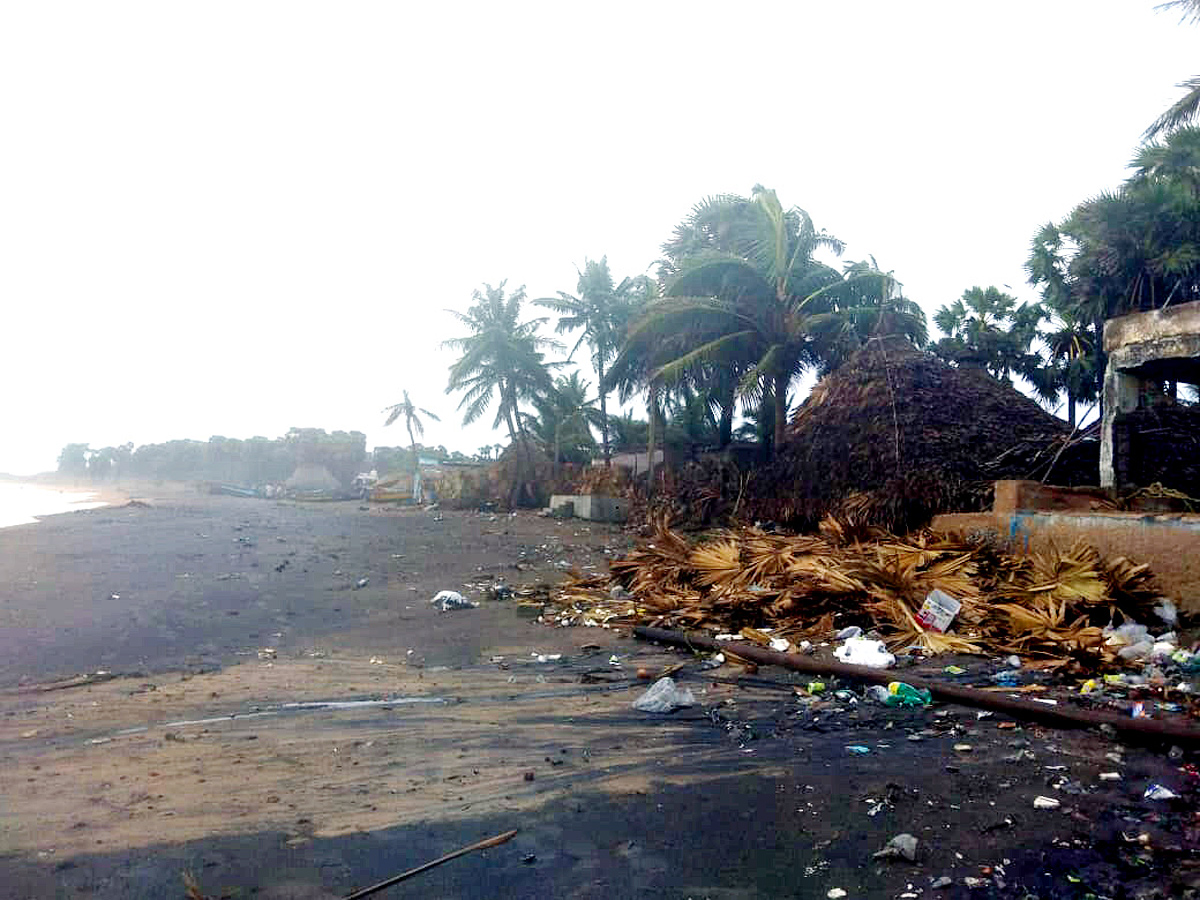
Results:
x,y
896,435
313,477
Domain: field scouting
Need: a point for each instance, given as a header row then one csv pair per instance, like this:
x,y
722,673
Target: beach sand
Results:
x,y
213,617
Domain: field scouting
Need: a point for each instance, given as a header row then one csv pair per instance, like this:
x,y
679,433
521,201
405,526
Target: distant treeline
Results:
x,y
255,461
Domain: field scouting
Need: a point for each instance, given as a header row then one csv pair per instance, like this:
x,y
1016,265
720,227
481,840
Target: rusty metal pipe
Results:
x,y
1059,716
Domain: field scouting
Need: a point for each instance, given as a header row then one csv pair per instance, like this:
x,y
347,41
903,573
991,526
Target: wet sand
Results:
x,y
278,732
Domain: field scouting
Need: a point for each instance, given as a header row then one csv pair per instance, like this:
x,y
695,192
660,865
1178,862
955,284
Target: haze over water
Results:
x,y
24,504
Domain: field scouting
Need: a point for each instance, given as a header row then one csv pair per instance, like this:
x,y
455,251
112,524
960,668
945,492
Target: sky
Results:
x,y
237,217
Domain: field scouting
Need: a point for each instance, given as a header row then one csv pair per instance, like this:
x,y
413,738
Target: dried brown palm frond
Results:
x,y
1130,584
827,573
767,557
1072,577
906,633
717,563
1046,623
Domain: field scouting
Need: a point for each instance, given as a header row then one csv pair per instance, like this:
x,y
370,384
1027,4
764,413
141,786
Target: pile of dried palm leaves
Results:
x,y
1050,604
901,436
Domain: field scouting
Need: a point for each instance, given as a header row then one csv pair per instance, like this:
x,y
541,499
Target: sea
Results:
x,y
24,504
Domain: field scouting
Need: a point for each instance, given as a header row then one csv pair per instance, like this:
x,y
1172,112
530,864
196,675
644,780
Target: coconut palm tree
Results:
x,y
869,306
754,295
412,421
1183,110
565,418
601,312
503,359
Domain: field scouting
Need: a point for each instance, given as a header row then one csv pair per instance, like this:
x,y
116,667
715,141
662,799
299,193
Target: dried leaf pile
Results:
x,y
1051,604
906,436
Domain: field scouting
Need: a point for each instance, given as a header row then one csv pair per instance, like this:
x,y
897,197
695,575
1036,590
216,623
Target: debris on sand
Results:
x,y
1053,605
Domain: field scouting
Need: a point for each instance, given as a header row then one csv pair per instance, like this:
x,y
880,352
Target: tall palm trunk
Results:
x,y
651,439
518,444
604,416
725,425
1071,408
416,482
781,384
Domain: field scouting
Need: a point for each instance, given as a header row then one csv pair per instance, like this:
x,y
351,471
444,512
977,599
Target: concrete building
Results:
x,y
1146,351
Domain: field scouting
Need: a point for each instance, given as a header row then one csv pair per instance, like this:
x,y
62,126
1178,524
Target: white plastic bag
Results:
x,y
448,600
865,652
664,696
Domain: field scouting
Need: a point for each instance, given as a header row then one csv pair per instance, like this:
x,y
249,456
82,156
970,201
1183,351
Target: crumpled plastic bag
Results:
x,y
664,696
448,600
865,652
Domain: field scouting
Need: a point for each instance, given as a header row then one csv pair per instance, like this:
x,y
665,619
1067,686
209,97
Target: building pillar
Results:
x,y
1120,395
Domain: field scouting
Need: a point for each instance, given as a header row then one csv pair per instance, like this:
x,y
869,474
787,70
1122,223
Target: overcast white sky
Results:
x,y
237,217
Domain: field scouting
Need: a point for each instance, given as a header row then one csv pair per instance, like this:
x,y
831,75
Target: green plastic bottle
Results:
x,y
901,694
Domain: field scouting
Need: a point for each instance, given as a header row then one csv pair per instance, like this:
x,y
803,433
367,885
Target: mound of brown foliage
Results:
x,y
896,436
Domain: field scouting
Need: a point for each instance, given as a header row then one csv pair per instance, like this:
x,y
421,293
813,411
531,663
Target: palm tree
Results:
x,y
502,359
869,306
602,311
1184,109
567,415
987,328
753,295
1070,346
412,421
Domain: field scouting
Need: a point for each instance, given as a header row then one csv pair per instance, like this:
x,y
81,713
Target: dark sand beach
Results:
x,y
226,626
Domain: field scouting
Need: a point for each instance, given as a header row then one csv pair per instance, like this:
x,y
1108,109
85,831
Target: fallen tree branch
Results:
x,y
396,879
1058,716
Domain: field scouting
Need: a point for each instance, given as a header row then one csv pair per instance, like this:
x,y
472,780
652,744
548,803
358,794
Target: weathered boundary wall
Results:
x,y
1169,542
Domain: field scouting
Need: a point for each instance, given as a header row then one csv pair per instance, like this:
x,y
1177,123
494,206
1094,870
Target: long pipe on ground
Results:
x,y
1060,716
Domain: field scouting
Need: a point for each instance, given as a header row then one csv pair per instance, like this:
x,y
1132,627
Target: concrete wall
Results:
x,y
1135,343
1169,542
1180,320
593,507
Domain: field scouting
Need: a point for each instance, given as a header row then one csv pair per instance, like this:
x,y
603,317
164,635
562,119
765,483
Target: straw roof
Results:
x,y
896,435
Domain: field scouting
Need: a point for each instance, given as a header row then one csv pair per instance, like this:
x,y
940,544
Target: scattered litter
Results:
x,y
268,653
546,657
938,611
902,846
1110,776
901,694
780,645
835,894
857,750
879,693
846,634
1167,612
376,661
860,651
664,696
1158,792
1049,605
361,583
955,670
963,748
450,600
1045,803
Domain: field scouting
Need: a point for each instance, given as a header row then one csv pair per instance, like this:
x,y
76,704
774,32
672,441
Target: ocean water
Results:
x,y
22,504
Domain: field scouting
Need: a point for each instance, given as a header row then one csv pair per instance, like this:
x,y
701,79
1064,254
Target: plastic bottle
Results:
x,y
901,694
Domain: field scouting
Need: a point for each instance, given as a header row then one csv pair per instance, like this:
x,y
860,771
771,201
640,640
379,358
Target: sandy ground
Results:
x,y
278,732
